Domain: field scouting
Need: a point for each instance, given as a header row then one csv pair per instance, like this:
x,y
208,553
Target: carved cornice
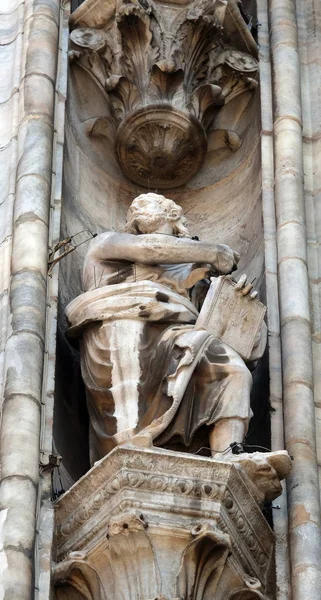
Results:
x,y
186,487
166,74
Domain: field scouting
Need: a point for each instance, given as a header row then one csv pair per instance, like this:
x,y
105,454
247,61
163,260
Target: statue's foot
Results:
x,y
261,471
142,440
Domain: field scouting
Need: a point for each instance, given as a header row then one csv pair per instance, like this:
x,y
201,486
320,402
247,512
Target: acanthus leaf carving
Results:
x,y
138,55
204,99
198,38
76,574
125,98
183,64
161,525
166,86
202,563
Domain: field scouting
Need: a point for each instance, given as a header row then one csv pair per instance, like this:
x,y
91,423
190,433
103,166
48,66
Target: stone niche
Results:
x,y
161,96
151,524
172,102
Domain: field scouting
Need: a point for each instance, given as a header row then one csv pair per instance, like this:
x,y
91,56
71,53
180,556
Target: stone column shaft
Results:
x,y
299,419
24,353
280,517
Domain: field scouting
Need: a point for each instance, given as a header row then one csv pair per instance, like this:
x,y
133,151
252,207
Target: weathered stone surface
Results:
x,y
232,316
222,200
155,274
28,53
22,533
288,91
160,144
167,74
223,204
147,524
20,435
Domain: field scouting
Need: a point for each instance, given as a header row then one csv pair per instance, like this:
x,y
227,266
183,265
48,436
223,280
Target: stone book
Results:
x,y
233,318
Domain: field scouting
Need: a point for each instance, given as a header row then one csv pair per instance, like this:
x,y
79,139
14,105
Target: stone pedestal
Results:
x,y
149,523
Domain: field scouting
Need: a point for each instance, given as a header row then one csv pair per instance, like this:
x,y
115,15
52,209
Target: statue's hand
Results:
x,y
245,287
226,260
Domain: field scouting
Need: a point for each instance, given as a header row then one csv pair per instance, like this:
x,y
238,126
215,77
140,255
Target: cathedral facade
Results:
x,y
160,328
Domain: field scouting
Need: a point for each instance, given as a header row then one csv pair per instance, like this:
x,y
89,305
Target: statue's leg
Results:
x,y
111,369
223,389
225,432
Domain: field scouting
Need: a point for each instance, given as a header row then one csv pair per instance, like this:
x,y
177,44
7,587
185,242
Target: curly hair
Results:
x,y
148,210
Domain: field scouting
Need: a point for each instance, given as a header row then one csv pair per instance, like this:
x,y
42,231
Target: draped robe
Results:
x,y
146,369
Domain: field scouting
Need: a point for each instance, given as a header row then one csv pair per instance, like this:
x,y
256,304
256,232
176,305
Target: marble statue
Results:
x,y
150,376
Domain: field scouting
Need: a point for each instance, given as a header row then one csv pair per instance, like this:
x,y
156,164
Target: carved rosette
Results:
x,y
166,75
161,146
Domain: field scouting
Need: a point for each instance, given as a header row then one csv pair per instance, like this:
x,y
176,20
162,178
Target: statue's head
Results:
x,y
148,212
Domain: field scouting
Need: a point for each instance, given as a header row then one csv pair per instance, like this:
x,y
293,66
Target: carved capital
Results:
x,y
153,524
167,72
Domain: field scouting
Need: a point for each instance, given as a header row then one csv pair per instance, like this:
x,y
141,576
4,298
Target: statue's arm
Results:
x,y
154,249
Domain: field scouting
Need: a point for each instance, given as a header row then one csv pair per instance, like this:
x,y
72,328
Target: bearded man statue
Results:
x,y
150,376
